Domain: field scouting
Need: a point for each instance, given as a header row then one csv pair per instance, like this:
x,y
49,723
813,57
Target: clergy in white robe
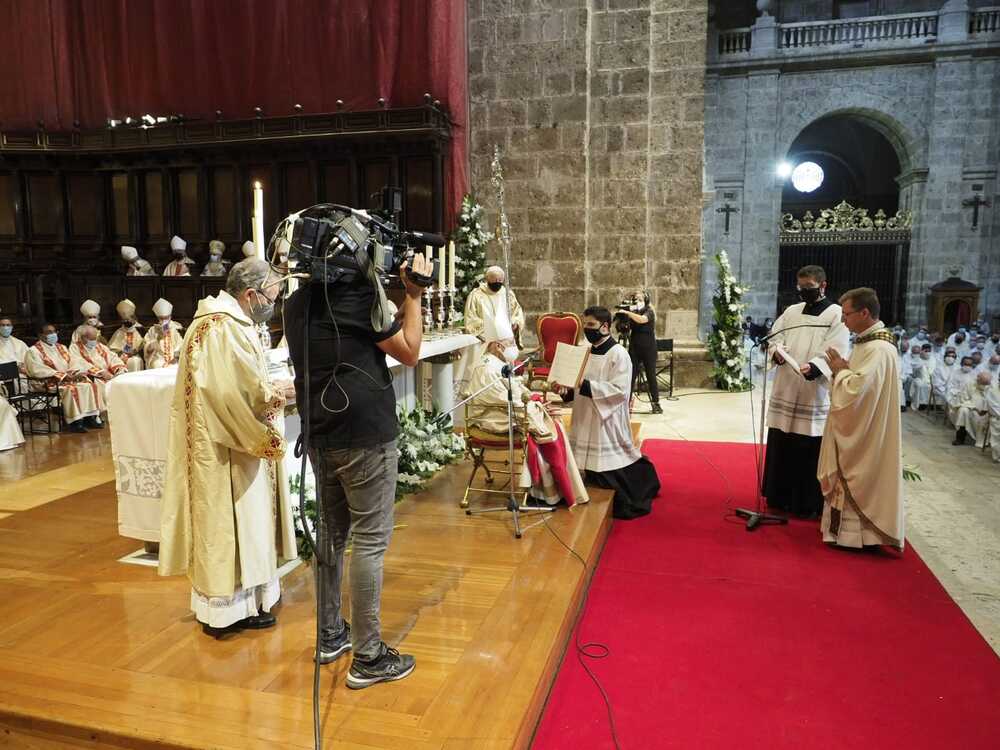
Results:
x,y
920,381
941,375
91,312
136,265
10,431
225,520
216,266
90,356
12,349
800,399
127,341
181,264
907,363
490,299
49,365
600,434
993,345
860,463
993,409
161,346
972,417
955,390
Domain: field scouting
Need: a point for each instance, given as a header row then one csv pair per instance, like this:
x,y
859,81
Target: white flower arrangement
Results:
x,y
726,340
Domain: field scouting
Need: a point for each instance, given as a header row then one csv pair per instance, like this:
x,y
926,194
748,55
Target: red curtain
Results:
x,y
90,60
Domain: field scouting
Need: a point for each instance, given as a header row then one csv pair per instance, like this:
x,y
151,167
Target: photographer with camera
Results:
x,y
642,342
352,449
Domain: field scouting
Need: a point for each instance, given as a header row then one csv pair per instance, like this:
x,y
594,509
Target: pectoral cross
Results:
x,y
975,201
727,209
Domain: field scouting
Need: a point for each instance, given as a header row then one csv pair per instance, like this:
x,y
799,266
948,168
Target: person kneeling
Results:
x,y
600,434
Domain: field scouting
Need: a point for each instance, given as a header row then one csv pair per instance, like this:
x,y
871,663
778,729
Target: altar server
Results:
x,y
127,341
226,519
181,264
50,363
136,265
162,344
860,462
800,399
216,266
600,433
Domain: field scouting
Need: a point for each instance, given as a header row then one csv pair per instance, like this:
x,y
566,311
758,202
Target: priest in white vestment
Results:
x,y
860,462
91,312
226,520
993,410
600,434
941,375
12,349
800,399
161,345
972,417
136,265
90,356
216,266
50,365
181,264
10,431
955,390
127,341
920,381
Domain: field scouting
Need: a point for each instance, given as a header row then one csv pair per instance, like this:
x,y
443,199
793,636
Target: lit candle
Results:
x,y
258,219
451,264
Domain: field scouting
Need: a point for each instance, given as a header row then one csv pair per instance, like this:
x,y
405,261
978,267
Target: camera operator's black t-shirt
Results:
x,y
370,415
647,329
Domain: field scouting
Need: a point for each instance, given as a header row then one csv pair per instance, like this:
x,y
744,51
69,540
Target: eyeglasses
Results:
x,y
850,312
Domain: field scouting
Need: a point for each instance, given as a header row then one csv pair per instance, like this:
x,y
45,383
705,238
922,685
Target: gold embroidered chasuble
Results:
x,y
162,348
226,520
131,340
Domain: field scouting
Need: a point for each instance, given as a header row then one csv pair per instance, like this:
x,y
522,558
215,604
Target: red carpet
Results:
x,y
721,638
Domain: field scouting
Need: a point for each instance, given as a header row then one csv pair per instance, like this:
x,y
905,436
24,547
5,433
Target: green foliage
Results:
x,y
425,447
910,473
305,551
470,246
725,343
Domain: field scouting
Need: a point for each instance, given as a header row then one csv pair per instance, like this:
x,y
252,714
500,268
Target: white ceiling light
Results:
x,y
807,176
784,170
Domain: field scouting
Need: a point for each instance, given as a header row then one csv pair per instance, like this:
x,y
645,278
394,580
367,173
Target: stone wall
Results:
x,y
598,108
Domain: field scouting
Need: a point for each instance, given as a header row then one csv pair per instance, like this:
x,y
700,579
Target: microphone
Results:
x,y
791,328
424,238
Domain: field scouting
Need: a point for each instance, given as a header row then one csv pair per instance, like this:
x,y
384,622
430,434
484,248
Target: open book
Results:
x,y
568,364
789,359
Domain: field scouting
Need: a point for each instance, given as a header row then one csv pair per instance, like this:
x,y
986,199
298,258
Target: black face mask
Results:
x,y
809,295
593,334
129,323
495,286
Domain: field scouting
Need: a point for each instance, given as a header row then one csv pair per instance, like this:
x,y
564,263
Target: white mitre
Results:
x,y
249,249
126,309
217,246
162,308
176,243
90,309
129,253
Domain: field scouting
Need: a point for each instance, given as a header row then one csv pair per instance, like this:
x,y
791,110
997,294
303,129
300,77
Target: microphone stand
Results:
x,y
758,516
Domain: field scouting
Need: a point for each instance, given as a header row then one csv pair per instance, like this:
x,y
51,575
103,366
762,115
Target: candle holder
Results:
x,y
442,314
452,313
264,333
428,315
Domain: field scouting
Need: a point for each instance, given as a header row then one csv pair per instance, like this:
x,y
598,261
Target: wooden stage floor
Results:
x,y
99,654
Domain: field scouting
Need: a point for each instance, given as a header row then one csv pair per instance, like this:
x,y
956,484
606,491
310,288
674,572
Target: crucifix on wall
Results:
x,y
727,209
975,202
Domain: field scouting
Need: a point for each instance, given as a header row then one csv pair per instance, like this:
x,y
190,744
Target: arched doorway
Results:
x,y
836,159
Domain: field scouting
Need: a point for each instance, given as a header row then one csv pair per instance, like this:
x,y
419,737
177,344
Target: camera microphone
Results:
x,y
424,238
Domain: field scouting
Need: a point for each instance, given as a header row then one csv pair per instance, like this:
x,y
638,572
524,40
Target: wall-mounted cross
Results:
x,y
975,201
727,210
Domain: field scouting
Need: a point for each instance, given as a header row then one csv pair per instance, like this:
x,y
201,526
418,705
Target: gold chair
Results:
x,y
479,442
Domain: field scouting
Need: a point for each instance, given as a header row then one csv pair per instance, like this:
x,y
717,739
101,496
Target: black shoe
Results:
x,y
94,423
390,665
77,426
331,647
903,408
259,622
219,633
922,407
657,409
959,437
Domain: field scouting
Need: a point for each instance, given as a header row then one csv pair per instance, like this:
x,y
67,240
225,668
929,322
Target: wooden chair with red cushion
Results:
x,y
552,328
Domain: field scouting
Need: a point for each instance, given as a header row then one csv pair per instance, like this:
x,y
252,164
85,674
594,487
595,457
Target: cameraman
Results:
x,y
642,343
352,449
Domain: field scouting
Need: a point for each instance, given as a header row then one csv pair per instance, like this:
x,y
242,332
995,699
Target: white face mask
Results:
x,y
215,258
92,321
510,354
966,368
165,324
91,343
949,360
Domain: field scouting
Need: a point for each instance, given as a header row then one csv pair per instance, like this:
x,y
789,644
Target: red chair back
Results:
x,y
555,327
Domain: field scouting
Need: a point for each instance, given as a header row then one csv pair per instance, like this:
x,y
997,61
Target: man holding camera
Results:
x,y
352,448
642,343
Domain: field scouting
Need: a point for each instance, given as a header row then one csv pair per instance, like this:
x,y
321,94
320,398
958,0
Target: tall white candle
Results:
x,y
442,268
258,219
451,265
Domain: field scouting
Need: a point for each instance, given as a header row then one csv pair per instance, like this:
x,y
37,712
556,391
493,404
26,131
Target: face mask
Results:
x,y
809,294
925,356
495,286
92,321
129,323
964,330
593,334
510,354
90,343
51,338
994,366
922,336
215,258
949,360
261,313
966,368
6,331
165,325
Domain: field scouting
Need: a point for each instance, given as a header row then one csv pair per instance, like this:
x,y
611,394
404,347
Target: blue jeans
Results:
x,y
356,494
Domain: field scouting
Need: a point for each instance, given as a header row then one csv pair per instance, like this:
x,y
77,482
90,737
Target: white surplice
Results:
x,y
993,407
920,381
12,349
799,405
600,434
51,363
127,343
10,430
939,380
972,412
955,389
162,348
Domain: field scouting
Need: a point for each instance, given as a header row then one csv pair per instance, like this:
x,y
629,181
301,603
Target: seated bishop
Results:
x,y
216,266
90,356
127,341
181,263
50,367
600,433
91,312
136,265
161,346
